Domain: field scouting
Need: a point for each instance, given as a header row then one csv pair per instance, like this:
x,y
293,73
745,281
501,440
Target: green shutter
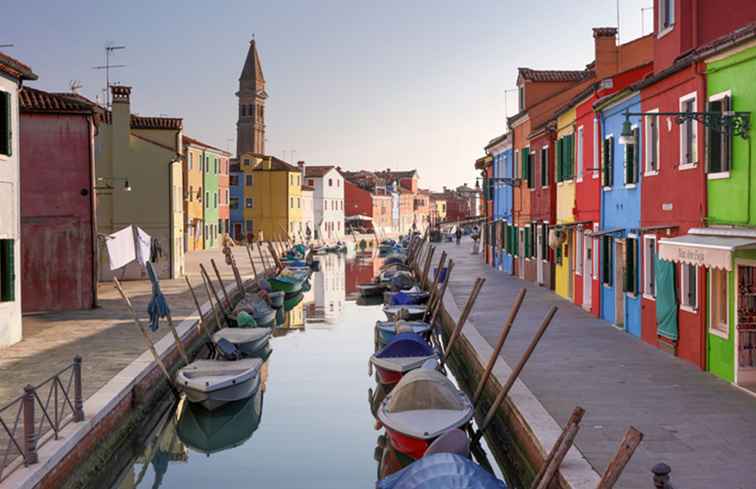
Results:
x,y
567,157
524,163
7,271
516,242
559,160
6,124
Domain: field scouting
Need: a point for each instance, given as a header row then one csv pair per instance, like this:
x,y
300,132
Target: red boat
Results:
x,y
404,353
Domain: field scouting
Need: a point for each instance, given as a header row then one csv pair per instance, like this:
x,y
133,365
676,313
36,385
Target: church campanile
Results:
x,y
250,128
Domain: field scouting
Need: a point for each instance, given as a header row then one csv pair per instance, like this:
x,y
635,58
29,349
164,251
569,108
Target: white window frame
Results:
x,y
663,31
716,332
596,149
683,136
684,287
579,250
723,174
624,158
647,143
646,239
579,148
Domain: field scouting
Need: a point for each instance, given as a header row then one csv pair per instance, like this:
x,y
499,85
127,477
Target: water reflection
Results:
x,y
330,291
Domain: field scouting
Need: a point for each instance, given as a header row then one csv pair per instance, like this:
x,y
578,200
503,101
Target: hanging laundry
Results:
x,y
120,246
158,306
143,245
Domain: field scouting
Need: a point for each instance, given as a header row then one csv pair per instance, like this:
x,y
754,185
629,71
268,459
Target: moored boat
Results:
x,y
411,312
372,289
213,383
387,330
442,471
249,341
404,353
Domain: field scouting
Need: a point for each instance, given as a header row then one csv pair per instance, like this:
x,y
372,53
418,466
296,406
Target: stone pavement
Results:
x,y
106,337
704,428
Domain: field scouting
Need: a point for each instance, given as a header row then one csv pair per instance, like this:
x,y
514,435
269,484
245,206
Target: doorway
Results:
x,y
619,276
745,324
521,252
568,255
587,271
539,253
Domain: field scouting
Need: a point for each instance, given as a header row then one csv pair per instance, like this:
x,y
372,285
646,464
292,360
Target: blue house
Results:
x,y
236,201
500,148
619,235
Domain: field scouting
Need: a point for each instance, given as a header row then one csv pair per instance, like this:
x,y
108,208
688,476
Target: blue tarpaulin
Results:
x,y
666,299
405,345
442,471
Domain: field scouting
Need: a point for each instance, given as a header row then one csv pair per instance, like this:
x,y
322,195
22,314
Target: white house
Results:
x,y
329,200
12,75
308,211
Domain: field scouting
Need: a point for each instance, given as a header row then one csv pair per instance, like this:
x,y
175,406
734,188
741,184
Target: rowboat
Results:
x,y
442,471
213,383
285,284
410,312
404,353
227,427
293,302
249,341
411,296
258,308
373,289
421,407
387,330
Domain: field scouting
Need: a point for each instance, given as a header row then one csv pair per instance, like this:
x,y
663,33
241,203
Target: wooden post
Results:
x,y
262,258
440,301
146,336
555,453
499,344
627,447
212,306
222,285
463,317
176,337
434,287
206,276
274,254
426,268
254,269
78,401
201,323
515,372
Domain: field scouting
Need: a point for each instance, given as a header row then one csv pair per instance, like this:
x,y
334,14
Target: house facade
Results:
x,y
236,202
275,189
328,200
194,196
500,149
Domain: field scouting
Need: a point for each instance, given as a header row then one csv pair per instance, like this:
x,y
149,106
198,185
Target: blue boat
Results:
x,y
413,296
442,471
385,331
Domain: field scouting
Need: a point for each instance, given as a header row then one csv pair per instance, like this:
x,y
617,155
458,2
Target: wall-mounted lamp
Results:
x,y
739,123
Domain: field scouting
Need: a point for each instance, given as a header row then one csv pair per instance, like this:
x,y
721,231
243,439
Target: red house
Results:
x,y
57,206
672,168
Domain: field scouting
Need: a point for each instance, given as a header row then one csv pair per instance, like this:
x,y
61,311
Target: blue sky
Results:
x,y
389,84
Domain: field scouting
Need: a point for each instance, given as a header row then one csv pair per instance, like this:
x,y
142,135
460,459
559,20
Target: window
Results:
x,y
215,200
607,260
248,180
521,97
246,161
595,148
545,242
719,320
234,203
190,161
545,166
233,180
330,182
299,203
215,165
291,202
608,166
631,266
207,198
190,197
227,197
338,183
564,162
649,266
666,15
7,271
594,260
249,225
249,202
517,164
688,286
579,156
688,133
631,160
310,182
652,143
6,124
719,144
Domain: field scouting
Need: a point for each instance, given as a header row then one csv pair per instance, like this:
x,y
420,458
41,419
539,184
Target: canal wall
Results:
x,y
523,432
112,414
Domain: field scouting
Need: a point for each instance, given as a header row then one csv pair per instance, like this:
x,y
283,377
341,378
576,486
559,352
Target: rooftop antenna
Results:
x,y
506,91
618,22
74,86
6,45
109,48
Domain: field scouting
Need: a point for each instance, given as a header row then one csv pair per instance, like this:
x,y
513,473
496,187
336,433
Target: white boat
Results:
x,y
213,383
409,312
249,341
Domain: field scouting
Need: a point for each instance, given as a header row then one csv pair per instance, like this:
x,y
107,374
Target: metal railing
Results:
x,y
47,407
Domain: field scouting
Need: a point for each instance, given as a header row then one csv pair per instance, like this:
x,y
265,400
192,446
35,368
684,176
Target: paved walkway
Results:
x,y
704,428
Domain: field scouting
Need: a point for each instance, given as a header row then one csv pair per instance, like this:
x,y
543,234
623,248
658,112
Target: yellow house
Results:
x,y
565,203
138,165
276,197
193,194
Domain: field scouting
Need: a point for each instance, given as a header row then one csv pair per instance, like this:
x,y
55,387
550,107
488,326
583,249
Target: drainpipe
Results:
x,y
92,129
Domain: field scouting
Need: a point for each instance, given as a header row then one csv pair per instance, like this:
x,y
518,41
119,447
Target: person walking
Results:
x,y
476,239
458,234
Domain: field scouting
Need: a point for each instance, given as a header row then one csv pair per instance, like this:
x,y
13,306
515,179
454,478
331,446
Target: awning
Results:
x,y
707,251
607,231
358,217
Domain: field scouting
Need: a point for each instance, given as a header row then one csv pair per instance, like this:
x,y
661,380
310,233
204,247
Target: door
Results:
x,y
539,253
521,252
619,277
587,272
569,256
745,326
237,231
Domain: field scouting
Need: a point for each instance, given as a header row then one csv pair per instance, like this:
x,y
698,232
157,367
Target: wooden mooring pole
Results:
x,y
254,269
201,323
555,457
625,451
206,276
262,258
222,285
463,318
212,306
434,286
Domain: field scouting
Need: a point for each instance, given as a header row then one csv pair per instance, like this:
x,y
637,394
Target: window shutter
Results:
x,y
611,160
6,124
7,262
559,160
605,166
527,242
626,287
524,163
726,137
636,154
628,163
570,159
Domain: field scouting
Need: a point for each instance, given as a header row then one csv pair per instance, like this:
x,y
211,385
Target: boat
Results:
x,y
423,405
395,259
404,353
372,289
412,296
258,308
276,299
401,280
227,427
249,341
442,471
213,383
285,284
293,302
385,331
409,312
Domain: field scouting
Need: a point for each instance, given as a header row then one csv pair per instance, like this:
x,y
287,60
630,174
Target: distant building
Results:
x,y
328,199
12,74
236,202
194,212
308,211
275,205
250,127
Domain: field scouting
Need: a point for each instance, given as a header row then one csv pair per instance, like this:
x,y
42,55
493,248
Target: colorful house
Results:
x,y
500,148
236,202
210,201
328,200
567,153
58,256
194,214
275,205
620,214
224,194
12,74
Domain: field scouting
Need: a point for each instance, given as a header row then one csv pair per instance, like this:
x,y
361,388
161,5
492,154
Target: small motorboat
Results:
x,y
412,296
276,299
293,302
227,427
395,259
401,280
404,353
411,312
385,331
215,382
442,471
373,289
249,341
258,308
422,406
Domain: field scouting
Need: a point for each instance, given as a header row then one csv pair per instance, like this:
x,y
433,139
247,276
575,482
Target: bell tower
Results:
x,y
250,128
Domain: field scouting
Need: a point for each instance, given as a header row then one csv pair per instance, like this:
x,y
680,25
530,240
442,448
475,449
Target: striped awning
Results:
x,y
703,250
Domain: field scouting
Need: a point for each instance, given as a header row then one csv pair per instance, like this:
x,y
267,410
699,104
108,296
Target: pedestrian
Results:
x,y
458,235
476,239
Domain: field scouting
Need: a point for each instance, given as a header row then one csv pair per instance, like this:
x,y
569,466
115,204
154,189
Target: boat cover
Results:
x,y
412,309
408,297
442,471
424,404
405,352
239,336
211,375
402,281
417,327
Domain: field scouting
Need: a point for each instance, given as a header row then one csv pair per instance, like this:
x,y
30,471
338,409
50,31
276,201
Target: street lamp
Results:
x,y
737,122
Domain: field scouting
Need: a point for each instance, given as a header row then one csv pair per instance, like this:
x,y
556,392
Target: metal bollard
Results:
x,y
30,438
661,476
78,404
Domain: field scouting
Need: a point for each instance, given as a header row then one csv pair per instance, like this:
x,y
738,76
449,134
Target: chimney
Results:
x,y
121,124
301,165
606,51
267,163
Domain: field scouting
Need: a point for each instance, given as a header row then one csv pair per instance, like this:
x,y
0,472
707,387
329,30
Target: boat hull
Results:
x,y
214,399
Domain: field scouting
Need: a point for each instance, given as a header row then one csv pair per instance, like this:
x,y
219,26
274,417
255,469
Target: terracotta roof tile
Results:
x,y
317,171
188,140
553,75
275,165
33,100
140,122
13,67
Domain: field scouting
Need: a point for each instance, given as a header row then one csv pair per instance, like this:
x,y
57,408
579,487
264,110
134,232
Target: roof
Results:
x,y
156,143
317,171
252,67
188,140
137,121
308,187
14,68
498,139
553,75
33,100
275,165
483,162
400,174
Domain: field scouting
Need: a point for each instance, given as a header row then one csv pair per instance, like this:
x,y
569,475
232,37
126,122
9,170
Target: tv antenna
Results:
x,y
6,45
109,48
74,86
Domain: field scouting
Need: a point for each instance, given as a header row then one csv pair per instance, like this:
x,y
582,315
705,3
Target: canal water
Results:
x,y
310,425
